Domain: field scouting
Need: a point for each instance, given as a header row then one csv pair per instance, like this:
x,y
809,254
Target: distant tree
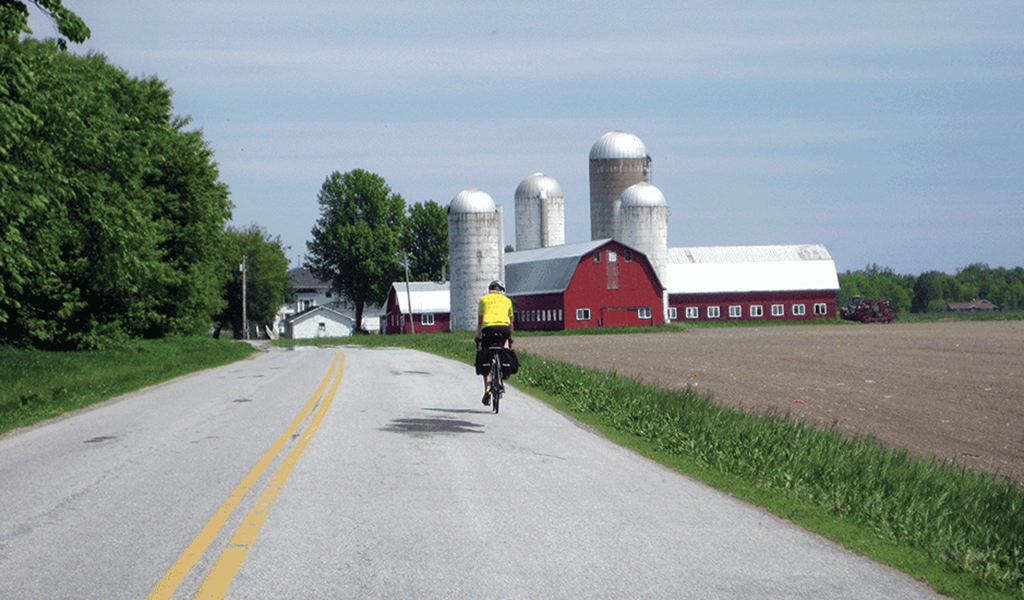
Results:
x,y
929,290
426,241
266,276
357,240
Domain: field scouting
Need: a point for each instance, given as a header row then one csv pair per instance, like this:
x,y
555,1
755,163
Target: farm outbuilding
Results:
x,y
318,322
751,283
430,309
601,283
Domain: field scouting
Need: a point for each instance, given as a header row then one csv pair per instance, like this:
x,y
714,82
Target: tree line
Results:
x,y
113,221
932,290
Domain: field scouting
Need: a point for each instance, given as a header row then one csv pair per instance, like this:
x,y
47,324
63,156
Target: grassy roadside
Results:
x,y
37,385
960,531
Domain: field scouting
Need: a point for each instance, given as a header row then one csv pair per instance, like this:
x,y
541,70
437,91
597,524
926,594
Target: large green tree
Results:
x,y
426,241
357,240
266,277
111,215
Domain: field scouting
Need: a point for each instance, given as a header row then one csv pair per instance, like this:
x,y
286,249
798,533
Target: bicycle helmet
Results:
x,y
496,285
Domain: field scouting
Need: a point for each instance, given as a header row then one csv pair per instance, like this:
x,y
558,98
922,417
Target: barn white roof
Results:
x,y
427,297
712,269
545,270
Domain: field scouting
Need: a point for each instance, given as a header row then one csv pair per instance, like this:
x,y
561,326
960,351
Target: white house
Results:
x,y
311,292
318,322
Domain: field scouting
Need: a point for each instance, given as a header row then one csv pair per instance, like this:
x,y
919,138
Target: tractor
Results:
x,y
863,310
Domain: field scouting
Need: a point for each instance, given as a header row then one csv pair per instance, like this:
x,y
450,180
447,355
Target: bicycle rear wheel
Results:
x,y
496,385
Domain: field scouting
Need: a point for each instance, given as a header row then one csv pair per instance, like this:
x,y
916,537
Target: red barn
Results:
x,y
601,283
430,312
751,283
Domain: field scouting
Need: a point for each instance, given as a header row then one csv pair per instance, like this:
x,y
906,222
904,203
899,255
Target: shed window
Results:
x,y
714,312
756,311
799,310
820,308
735,312
427,319
692,312
644,313
778,310
582,314
673,313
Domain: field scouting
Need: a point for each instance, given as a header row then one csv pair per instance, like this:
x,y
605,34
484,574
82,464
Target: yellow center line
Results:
x,y
223,573
166,587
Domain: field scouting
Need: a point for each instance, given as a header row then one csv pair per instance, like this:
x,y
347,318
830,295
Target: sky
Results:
x,y
891,132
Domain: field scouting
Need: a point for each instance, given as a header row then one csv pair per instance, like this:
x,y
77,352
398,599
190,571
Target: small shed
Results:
x,y
601,283
750,283
318,322
430,310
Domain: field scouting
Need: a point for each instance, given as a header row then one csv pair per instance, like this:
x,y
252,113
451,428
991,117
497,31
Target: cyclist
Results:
x,y
493,328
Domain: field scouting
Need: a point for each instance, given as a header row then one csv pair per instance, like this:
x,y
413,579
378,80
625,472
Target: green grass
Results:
x,y
961,531
37,385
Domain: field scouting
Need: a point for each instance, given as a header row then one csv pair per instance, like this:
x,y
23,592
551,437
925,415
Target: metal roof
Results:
x,y
712,269
618,145
537,185
427,297
643,194
472,201
301,277
545,270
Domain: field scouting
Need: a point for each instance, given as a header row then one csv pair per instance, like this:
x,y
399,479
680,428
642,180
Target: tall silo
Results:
x,y
540,213
643,224
617,161
475,253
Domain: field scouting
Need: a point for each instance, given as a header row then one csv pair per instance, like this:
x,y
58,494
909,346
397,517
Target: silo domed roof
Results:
x,y
643,194
472,201
618,144
535,184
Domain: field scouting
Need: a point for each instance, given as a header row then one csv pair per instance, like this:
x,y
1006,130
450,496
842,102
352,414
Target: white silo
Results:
x,y
643,223
540,213
475,253
617,161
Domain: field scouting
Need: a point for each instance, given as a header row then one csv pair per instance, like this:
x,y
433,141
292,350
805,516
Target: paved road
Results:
x,y
358,473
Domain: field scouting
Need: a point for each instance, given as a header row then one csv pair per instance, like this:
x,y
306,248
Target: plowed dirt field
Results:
x,y
954,390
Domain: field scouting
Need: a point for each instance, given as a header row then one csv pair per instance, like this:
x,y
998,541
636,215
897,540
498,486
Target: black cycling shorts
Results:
x,y
495,335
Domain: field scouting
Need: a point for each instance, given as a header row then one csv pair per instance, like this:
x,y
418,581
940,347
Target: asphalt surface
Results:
x,y
394,483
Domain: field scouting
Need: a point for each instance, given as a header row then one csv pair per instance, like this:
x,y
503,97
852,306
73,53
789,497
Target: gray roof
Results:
x,y
302,278
618,145
545,270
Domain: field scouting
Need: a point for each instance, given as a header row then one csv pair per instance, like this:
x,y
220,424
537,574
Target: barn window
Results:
x,y
692,312
560,314
778,310
756,311
673,313
644,313
820,308
582,314
627,255
735,312
714,312
799,310
597,256
427,319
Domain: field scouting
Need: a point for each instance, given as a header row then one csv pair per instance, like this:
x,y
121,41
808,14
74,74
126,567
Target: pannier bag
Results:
x,y
509,361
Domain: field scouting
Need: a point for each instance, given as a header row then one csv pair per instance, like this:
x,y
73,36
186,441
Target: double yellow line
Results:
x,y
215,586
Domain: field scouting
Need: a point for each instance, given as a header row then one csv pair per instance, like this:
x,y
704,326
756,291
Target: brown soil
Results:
x,y
954,390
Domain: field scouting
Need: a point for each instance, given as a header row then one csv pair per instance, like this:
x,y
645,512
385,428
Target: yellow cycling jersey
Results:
x,y
496,309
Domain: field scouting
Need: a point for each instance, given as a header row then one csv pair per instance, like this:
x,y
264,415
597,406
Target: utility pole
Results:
x,y
245,320
408,294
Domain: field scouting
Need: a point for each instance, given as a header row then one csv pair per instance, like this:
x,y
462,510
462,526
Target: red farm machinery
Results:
x,y
863,310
